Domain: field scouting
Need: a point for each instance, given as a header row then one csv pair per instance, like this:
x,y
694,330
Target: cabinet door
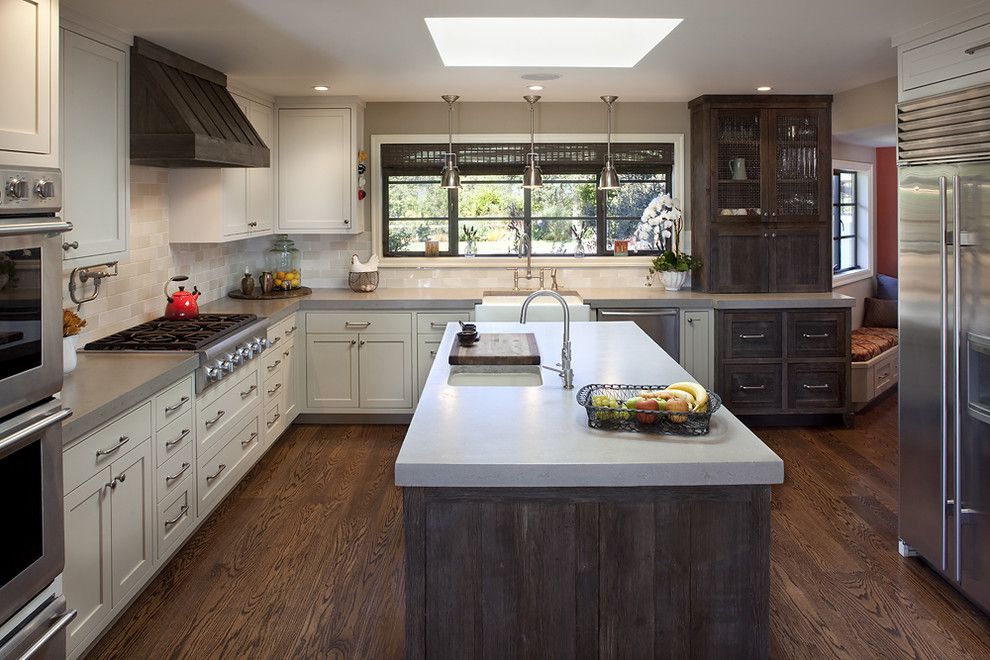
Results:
x,y
288,403
800,183
739,143
314,169
94,145
234,193
799,258
332,370
260,180
26,50
698,346
426,353
86,578
385,378
131,522
739,258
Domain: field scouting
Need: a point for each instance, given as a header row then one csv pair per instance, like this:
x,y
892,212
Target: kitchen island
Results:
x,y
529,534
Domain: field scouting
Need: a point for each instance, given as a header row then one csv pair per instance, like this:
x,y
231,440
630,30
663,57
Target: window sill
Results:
x,y
851,276
514,262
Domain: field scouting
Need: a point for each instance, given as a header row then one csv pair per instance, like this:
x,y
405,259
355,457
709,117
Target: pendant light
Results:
x,y
609,178
451,176
532,175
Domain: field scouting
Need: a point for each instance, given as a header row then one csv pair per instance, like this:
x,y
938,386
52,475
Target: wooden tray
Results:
x,y
497,349
274,295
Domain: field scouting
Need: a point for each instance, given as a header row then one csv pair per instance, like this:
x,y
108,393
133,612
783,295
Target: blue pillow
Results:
x,y
886,287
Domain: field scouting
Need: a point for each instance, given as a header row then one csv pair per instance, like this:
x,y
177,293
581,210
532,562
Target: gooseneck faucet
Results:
x,y
565,371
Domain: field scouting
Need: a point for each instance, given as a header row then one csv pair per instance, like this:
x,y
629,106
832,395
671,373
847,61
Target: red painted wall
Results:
x,y
886,211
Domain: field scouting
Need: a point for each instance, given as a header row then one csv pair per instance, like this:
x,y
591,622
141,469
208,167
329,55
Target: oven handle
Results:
x,y
35,228
14,439
60,623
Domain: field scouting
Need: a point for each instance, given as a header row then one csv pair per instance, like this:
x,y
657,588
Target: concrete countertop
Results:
x,y
539,436
657,297
103,385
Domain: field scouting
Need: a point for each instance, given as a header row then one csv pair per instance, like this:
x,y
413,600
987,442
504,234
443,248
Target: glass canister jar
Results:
x,y
283,261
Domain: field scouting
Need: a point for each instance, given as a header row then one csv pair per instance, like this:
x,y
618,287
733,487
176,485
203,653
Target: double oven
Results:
x,y
33,614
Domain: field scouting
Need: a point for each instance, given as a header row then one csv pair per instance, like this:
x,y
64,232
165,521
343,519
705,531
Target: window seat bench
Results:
x,y
875,364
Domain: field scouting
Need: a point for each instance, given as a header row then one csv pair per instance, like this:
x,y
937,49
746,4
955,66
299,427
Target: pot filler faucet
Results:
x,y
565,371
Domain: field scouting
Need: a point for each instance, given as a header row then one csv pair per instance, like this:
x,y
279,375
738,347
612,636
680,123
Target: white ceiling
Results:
x,y
381,50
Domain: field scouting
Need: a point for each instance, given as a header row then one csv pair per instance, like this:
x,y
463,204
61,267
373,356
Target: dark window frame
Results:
x,y
837,235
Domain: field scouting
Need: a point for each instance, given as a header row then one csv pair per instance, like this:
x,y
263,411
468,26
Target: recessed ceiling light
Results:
x,y
549,42
764,88
535,88
321,88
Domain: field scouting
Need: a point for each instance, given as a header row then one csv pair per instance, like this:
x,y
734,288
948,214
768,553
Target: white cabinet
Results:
x,y
426,353
29,84
952,55
698,345
385,371
317,170
332,370
215,205
430,327
131,522
94,146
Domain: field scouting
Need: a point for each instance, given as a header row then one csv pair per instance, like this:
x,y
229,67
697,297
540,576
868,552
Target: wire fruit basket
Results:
x,y
643,421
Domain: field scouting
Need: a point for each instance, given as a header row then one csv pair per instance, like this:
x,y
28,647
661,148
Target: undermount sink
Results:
x,y
492,376
506,305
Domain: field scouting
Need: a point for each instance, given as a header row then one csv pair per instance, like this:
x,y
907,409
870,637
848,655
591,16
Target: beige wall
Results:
x,y
865,115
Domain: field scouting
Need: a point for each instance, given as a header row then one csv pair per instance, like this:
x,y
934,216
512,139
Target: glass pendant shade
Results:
x,y
532,175
450,177
609,178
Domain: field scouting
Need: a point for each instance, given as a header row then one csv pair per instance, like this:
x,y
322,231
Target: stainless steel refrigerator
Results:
x,y
944,271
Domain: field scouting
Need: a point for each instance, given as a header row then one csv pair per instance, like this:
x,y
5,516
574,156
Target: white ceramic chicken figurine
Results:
x,y
370,266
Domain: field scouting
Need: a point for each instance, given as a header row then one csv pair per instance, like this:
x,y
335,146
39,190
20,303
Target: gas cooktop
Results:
x,y
162,334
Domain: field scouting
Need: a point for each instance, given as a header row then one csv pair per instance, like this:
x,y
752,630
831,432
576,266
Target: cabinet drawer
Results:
x,y
273,419
176,517
174,437
173,402
218,474
946,59
173,471
225,412
751,335
272,359
752,387
86,458
437,322
283,331
363,322
816,385
817,334
274,386
885,374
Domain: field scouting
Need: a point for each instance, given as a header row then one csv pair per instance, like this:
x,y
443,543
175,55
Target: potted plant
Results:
x,y
673,268
469,236
661,225
72,325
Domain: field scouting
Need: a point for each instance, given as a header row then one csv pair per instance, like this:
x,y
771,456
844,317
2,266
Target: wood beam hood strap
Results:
x,y
183,116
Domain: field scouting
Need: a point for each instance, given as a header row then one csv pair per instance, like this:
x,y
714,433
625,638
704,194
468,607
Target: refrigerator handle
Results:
x,y
956,345
944,362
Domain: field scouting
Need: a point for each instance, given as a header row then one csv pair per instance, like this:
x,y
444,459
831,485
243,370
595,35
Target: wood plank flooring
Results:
x,y
304,559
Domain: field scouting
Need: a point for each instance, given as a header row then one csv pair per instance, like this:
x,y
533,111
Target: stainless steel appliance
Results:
x,y
662,325
224,342
944,242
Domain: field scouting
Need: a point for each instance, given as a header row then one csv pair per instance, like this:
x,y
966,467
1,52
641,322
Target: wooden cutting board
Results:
x,y
496,349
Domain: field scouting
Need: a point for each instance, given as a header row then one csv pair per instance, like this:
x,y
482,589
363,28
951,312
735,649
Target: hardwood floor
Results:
x,y
304,559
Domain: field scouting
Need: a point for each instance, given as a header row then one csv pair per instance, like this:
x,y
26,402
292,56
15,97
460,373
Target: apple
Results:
x,y
647,404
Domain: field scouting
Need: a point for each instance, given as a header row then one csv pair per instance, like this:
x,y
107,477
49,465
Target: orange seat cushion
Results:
x,y
867,343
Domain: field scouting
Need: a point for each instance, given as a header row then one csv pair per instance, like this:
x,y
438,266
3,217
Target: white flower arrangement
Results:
x,y
661,223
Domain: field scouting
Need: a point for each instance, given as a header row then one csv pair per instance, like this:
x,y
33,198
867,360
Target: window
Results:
x,y
845,221
493,206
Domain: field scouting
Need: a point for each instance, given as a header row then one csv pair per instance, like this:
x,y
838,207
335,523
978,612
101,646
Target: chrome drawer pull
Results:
x,y
274,366
245,443
815,387
182,512
181,403
759,336
357,324
976,49
438,324
122,440
182,436
275,341
433,354
752,387
274,419
276,389
290,331
220,468
245,395
211,422
58,623
286,353
823,335
173,477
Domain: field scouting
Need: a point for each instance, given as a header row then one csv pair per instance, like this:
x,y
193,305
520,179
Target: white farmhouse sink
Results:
x,y
506,305
514,376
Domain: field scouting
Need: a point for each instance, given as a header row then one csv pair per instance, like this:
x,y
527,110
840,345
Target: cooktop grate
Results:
x,y
162,334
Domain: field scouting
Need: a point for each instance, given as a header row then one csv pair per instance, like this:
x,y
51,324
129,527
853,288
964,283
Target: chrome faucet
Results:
x,y
565,371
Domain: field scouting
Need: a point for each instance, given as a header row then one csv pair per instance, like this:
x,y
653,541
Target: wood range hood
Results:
x,y
183,116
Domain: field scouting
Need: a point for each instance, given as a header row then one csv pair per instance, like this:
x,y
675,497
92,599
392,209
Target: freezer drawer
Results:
x,y
662,325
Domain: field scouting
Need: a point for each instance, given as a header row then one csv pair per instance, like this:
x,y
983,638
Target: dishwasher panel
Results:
x,y
663,325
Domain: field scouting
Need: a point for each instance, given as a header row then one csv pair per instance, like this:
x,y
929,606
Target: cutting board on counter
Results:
x,y
497,349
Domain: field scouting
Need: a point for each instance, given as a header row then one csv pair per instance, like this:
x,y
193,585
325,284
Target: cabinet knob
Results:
x,y
252,224
74,245
773,235
766,235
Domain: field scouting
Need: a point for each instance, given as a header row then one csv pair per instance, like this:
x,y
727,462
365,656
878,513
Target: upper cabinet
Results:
x,y
94,84
29,85
761,193
317,165
946,55
215,205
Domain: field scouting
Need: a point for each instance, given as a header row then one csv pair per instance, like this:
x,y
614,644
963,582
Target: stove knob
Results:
x,y
17,188
255,345
213,374
264,343
227,366
44,189
245,352
235,358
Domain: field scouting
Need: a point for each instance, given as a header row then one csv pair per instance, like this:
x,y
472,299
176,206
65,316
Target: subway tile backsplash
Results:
x,y
136,294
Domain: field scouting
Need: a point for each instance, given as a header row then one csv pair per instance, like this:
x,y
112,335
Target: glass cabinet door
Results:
x,y
739,144
798,170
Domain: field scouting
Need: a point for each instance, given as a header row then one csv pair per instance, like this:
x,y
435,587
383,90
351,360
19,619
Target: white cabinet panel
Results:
x,y
698,346
86,579
94,145
332,371
426,353
131,522
261,180
28,51
385,374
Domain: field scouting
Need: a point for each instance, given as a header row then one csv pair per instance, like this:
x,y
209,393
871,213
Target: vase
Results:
x,y
471,249
673,280
69,346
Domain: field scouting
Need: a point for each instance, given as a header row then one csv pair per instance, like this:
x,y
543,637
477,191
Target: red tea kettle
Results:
x,y
181,304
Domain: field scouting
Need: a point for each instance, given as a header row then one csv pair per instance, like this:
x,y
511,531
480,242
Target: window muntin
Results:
x,y
845,225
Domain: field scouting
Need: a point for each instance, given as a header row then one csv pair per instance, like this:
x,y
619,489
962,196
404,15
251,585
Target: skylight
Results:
x,y
547,42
